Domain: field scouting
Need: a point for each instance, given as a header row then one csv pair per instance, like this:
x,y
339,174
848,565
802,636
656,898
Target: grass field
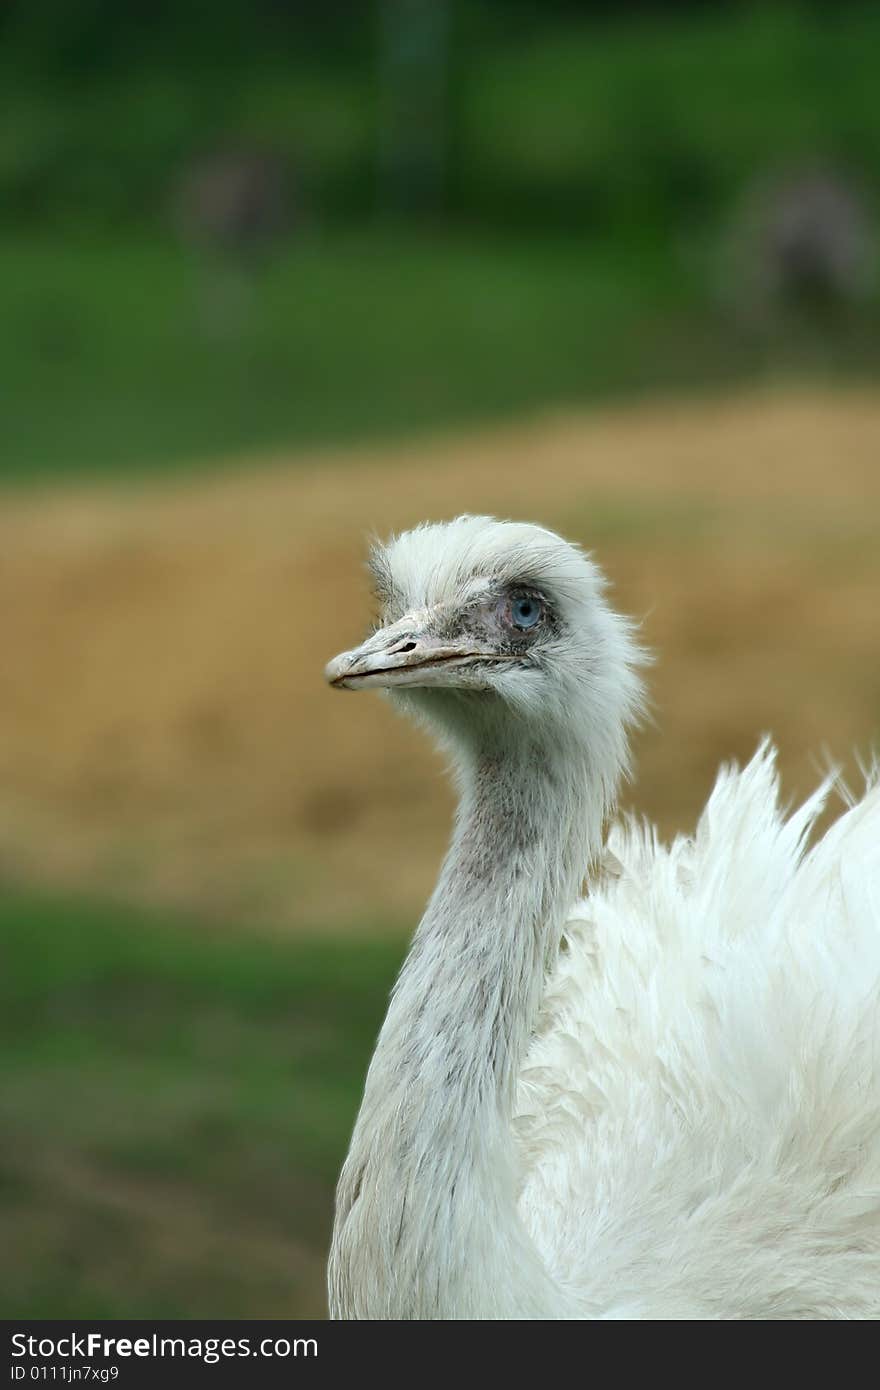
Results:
x,y
175,1104
139,357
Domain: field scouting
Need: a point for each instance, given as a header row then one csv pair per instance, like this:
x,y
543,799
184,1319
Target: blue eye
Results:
x,y
525,611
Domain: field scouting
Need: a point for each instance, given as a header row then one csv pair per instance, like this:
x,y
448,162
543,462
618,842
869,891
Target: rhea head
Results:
x,y
499,629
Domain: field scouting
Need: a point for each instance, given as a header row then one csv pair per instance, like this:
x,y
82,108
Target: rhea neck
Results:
x,y
426,1210
472,985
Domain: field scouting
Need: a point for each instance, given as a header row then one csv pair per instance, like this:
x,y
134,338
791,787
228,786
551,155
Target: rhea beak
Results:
x,y
401,654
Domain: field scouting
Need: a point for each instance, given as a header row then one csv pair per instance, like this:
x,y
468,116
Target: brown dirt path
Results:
x,y
164,730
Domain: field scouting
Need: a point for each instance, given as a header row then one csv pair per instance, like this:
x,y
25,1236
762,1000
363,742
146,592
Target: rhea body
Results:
x,y
658,1100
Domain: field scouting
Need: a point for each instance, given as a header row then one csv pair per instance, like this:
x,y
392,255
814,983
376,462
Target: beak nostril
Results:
x,y
405,647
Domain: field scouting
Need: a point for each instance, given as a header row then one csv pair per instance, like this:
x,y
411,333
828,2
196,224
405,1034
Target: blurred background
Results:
x,y
275,276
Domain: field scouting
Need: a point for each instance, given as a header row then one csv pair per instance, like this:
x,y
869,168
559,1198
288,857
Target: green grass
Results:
x,y
132,355
175,1103
596,168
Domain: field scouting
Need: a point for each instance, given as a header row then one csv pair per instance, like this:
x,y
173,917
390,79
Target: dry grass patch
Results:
x,y
164,730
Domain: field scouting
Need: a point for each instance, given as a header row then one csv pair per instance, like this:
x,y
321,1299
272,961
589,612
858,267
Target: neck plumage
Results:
x,y
426,1220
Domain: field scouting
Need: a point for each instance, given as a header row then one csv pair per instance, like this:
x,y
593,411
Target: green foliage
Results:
x,y
595,168
556,118
658,122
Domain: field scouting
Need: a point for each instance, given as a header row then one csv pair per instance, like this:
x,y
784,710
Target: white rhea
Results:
x,y
659,1101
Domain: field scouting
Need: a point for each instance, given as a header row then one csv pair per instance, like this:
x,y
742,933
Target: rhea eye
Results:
x,y
525,610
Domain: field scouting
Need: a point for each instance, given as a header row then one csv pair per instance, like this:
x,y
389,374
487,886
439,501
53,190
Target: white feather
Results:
x,y
663,1102
698,1116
